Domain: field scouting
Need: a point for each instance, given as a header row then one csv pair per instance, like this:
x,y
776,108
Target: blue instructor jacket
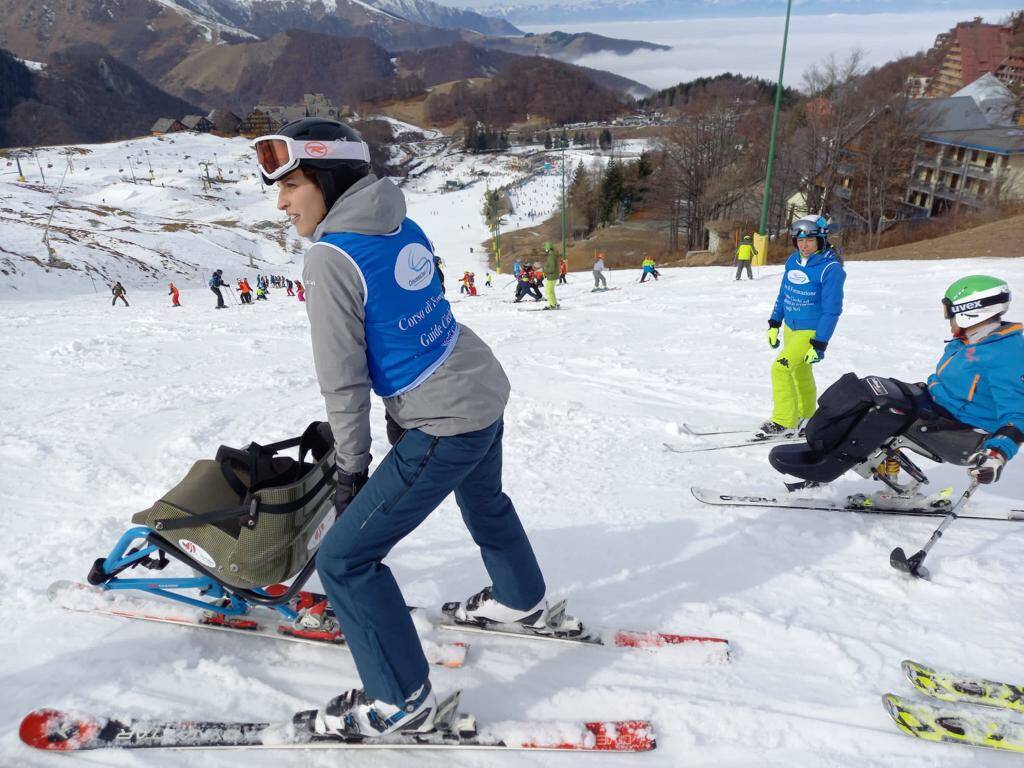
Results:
x,y
811,295
982,384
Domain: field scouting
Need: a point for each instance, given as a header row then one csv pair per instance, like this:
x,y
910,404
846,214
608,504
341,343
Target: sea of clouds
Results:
x,y
751,46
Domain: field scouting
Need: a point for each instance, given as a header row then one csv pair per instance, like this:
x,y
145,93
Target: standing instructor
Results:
x,y
379,321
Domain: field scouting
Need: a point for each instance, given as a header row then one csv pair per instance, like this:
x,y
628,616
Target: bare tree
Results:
x,y
828,119
702,173
876,164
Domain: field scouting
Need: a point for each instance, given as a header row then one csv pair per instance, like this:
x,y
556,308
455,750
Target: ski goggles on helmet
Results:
x,y
278,156
808,228
951,309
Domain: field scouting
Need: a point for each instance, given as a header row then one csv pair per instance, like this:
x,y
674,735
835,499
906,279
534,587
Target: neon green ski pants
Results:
x,y
549,289
793,387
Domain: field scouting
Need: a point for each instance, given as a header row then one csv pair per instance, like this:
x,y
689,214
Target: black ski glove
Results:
x,y
348,487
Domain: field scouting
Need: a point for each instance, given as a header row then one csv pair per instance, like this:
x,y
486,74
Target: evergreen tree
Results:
x,y
611,192
605,140
547,141
643,166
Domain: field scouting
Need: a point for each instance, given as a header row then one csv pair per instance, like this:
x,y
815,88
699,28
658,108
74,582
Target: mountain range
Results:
x,y
136,60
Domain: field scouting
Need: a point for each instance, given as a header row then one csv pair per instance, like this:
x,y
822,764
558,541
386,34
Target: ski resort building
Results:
x,y
971,152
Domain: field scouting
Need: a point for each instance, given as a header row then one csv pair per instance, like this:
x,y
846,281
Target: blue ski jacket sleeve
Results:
x,y
811,295
982,384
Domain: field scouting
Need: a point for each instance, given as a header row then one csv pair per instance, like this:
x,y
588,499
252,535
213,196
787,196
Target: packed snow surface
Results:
x,y
107,407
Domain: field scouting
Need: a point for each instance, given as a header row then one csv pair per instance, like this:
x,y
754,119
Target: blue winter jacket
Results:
x,y
982,384
811,296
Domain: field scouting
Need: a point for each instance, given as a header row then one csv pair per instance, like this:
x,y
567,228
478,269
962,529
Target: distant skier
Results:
x,y
300,290
261,292
173,293
289,285
464,288
438,265
551,271
807,310
650,269
563,267
487,280
244,291
118,290
744,255
600,284
369,272
216,283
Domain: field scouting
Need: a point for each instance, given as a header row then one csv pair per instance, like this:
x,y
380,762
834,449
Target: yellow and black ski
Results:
x,y
974,727
952,687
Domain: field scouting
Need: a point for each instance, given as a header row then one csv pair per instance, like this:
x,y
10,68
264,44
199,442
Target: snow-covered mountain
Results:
x,y
531,12
446,17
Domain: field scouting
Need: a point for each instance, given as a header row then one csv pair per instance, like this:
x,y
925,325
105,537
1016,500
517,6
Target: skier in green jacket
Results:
x,y
551,272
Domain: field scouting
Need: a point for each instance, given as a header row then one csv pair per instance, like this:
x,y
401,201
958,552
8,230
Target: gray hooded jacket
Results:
x,y
466,393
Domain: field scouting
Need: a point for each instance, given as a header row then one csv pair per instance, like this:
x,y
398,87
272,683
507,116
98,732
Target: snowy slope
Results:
x,y
106,408
107,228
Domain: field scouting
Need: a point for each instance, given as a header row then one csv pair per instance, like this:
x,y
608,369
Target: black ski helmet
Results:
x,y
333,177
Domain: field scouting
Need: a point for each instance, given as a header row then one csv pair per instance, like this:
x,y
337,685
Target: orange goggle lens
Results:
x,y
272,155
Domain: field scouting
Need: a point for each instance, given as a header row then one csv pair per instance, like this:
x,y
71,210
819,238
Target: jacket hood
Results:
x,y
371,206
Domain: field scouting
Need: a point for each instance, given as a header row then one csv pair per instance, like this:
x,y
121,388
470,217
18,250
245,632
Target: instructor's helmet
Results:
x,y
810,226
334,151
976,298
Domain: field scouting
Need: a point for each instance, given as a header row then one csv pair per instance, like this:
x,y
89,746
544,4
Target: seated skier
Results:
x,y
979,380
970,412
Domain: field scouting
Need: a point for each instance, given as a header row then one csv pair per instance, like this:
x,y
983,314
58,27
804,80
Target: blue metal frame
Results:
x,y
160,586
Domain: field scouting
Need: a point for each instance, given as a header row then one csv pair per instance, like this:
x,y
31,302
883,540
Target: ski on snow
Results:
x,y
69,594
717,498
54,730
729,442
620,638
953,687
975,728
85,598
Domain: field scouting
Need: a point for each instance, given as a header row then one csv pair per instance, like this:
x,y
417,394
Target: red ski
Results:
x,y
54,730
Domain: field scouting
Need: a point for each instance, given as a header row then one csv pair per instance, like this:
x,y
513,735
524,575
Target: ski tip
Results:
x,y
622,736
630,639
53,730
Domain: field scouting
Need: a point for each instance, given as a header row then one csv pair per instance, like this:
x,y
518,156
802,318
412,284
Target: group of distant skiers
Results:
x,y
217,282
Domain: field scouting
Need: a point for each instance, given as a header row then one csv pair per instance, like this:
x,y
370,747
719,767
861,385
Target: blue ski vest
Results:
x,y
410,329
811,296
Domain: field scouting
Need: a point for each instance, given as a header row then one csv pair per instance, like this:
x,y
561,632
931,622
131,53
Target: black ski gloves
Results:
x,y
348,487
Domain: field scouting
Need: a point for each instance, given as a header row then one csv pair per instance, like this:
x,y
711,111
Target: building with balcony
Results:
x,y
969,50
970,154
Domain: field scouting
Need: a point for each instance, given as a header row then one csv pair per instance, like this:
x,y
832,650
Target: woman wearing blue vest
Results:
x,y
808,307
379,321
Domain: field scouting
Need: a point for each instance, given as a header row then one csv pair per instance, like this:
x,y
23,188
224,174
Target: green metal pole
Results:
x,y
762,229
563,201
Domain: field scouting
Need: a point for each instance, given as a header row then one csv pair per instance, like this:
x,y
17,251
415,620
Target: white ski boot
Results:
x,y
482,609
354,716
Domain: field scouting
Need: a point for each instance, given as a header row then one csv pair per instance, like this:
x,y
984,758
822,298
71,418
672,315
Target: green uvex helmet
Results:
x,y
976,298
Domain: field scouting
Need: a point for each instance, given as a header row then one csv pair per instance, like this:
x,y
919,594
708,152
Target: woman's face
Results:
x,y
807,245
302,200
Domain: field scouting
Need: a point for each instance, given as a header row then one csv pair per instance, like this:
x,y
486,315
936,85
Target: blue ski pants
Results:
x,y
414,478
